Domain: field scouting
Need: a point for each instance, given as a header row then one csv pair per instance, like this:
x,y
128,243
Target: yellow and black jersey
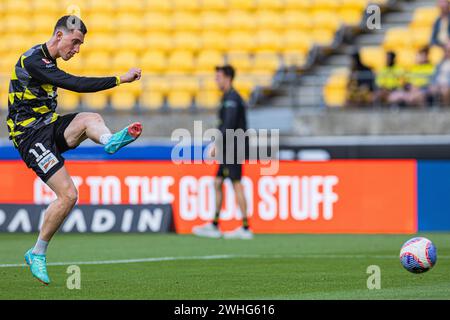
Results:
x,y
33,91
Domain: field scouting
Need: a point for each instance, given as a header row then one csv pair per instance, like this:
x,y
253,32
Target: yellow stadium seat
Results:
x,y
351,17
213,4
242,4
47,6
326,20
244,85
186,5
153,61
297,41
103,6
180,62
129,22
241,41
268,19
208,99
268,41
130,41
97,100
420,37
297,20
157,84
270,4
42,23
373,57
213,40
240,61
99,42
303,5
185,21
16,7
98,63
18,44
74,66
323,37
406,58
158,41
187,84
123,100
151,100
130,6
158,6
8,62
100,22
157,21
397,37
326,5
68,100
179,99
240,20
4,90
207,83
207,61
354,4
424,17
186,41
213,21
17,24
436,54
265,64
122,61
335,90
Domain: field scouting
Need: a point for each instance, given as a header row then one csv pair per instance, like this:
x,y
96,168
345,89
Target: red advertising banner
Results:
x,y
348,196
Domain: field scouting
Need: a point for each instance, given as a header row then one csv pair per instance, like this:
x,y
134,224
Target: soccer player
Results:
x,y
41,135
232,115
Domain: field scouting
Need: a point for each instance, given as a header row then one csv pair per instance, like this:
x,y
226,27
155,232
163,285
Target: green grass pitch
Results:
x,y
170,266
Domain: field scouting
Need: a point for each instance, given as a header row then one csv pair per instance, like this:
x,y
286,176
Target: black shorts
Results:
x,y
42,150
231,171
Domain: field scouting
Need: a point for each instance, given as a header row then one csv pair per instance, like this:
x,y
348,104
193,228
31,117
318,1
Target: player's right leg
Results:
x,y
66,198
91,125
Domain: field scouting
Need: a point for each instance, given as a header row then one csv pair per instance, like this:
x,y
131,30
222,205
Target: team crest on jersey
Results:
x,y
48,162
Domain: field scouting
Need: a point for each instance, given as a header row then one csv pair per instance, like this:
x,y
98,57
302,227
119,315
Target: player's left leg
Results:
x,y
66,197
88,125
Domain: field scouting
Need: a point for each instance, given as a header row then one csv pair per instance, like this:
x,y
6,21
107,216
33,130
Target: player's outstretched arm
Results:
x,y
48,72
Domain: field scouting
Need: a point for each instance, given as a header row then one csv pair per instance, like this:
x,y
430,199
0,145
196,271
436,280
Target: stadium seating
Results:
x,y
404,41
178,38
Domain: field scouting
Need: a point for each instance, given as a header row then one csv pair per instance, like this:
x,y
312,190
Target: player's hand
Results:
x,y
132,75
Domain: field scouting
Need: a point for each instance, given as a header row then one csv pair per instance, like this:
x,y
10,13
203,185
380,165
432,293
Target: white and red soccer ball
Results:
x,y
418,255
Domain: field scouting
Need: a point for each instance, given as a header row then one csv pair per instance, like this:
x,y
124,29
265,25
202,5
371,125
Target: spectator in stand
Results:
x,y
388,79
440,87
362,83
416,91
441,27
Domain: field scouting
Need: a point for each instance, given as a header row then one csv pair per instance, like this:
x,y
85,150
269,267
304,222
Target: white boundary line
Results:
x,y
215,257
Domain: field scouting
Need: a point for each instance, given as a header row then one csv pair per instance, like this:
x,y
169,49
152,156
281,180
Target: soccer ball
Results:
x,y
418,255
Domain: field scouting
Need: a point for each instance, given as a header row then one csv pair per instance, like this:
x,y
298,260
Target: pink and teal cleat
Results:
x,y
123,137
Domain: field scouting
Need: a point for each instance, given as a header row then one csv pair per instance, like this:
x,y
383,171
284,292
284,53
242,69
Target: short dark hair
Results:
x,y
227,70
70,23
425,50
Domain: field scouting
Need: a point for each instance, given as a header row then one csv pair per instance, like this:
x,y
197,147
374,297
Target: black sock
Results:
x,y
216,219
245,223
